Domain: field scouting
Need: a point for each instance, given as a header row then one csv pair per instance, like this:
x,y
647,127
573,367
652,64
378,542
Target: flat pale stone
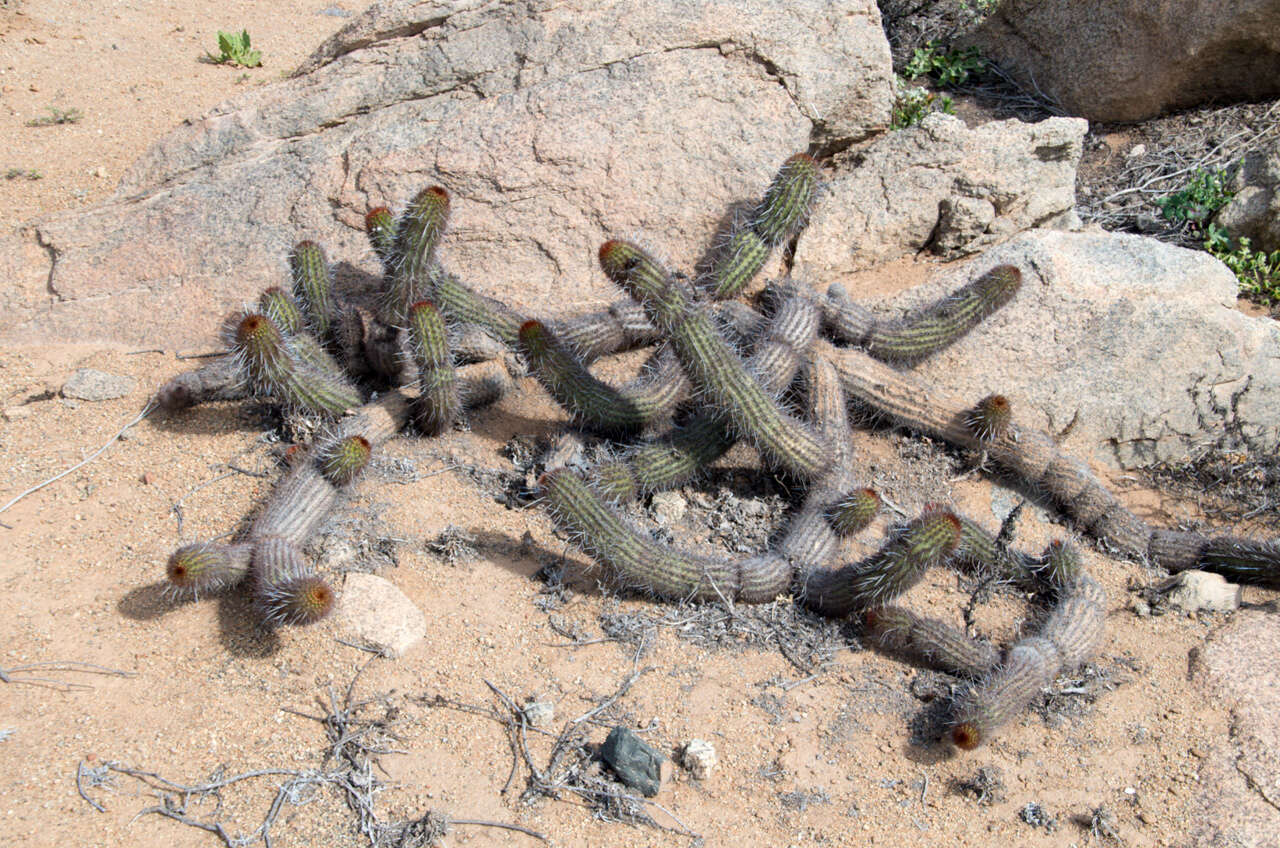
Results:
x,y
376,613
92,384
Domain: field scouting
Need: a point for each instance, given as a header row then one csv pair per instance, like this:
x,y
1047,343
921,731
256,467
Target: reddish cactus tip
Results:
x,y
802,158
250,325
309,600
423,304
371,217
438,191
531,330
966,737
305,244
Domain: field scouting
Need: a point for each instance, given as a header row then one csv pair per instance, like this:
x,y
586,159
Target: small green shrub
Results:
x,y
1198,200
23,173
57,116
912,103
1257,271
949,68
235,51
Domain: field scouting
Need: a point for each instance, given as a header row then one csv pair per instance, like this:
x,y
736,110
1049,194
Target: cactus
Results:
x,y
438,404
458,338
711,364
780,214
273,364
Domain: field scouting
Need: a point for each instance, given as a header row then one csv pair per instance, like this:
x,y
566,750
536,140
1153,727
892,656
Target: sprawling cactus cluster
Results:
x,y
432,347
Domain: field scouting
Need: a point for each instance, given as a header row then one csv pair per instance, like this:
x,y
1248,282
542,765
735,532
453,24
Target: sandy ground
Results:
x,y
835,748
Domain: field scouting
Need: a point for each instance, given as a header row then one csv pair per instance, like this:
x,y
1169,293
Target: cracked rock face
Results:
x,y
1138,342
555,125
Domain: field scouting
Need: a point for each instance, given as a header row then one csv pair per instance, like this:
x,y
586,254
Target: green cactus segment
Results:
x,y
313,286
931,329
1242,560
1028,668
1059,566
439,402
463,306
279,306
286,589
853,513
273,364
990,419
594,403
989,558
926,542
1069,637
780,214
639,562
380,226
417,234
712,365
343,460
207,567
938,644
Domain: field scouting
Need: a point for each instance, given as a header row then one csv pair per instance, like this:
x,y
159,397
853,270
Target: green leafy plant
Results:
x,y
948,67
1198,200
57,116
1257,271
913,103
235,51
23,173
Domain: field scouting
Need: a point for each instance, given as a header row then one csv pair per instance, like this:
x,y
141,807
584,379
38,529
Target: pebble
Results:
x,y
636,763
94,385
699,758
668,507
539,713
16,413
376,613
1136,151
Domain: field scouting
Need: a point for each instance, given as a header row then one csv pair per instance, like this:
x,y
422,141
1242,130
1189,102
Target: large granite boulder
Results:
x,y
554,125
1126,60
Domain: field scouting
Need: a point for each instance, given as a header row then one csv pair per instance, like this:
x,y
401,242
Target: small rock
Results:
x,y
1196,591
1136,151
668,507
636,763
539,713
16,413
374,612
100,172
699,757
1141,608
92,384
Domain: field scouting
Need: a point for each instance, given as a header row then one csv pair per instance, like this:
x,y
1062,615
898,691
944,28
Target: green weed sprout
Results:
x,y
235,51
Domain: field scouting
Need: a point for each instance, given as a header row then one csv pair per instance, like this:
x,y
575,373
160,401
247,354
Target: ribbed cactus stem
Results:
x,y
928,330
936,643
464,306
342,460
273,365
286,589
924,543
1242,560
640,562
417,233
854,512
712,365
781,214
313,286
203,567
593,402
438,402
380,226
991,417
280,307
1069,637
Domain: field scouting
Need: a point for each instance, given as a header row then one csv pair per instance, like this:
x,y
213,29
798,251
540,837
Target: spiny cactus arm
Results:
x,y
438,400
639,562
1031,455
273,364
985,556
219,379
313,286
713,367
595,404
923,333
1068,638
1238,559
380,225
202,567
780,214
897,630
281,308
417,233
673,460
463,305
921,544
286,590
854,512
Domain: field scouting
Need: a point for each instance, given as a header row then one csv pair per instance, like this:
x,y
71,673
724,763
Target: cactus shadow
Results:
x,y
205,419
529,559
927,744
238,630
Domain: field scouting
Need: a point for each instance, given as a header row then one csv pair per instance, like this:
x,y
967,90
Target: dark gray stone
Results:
x,y
636,763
